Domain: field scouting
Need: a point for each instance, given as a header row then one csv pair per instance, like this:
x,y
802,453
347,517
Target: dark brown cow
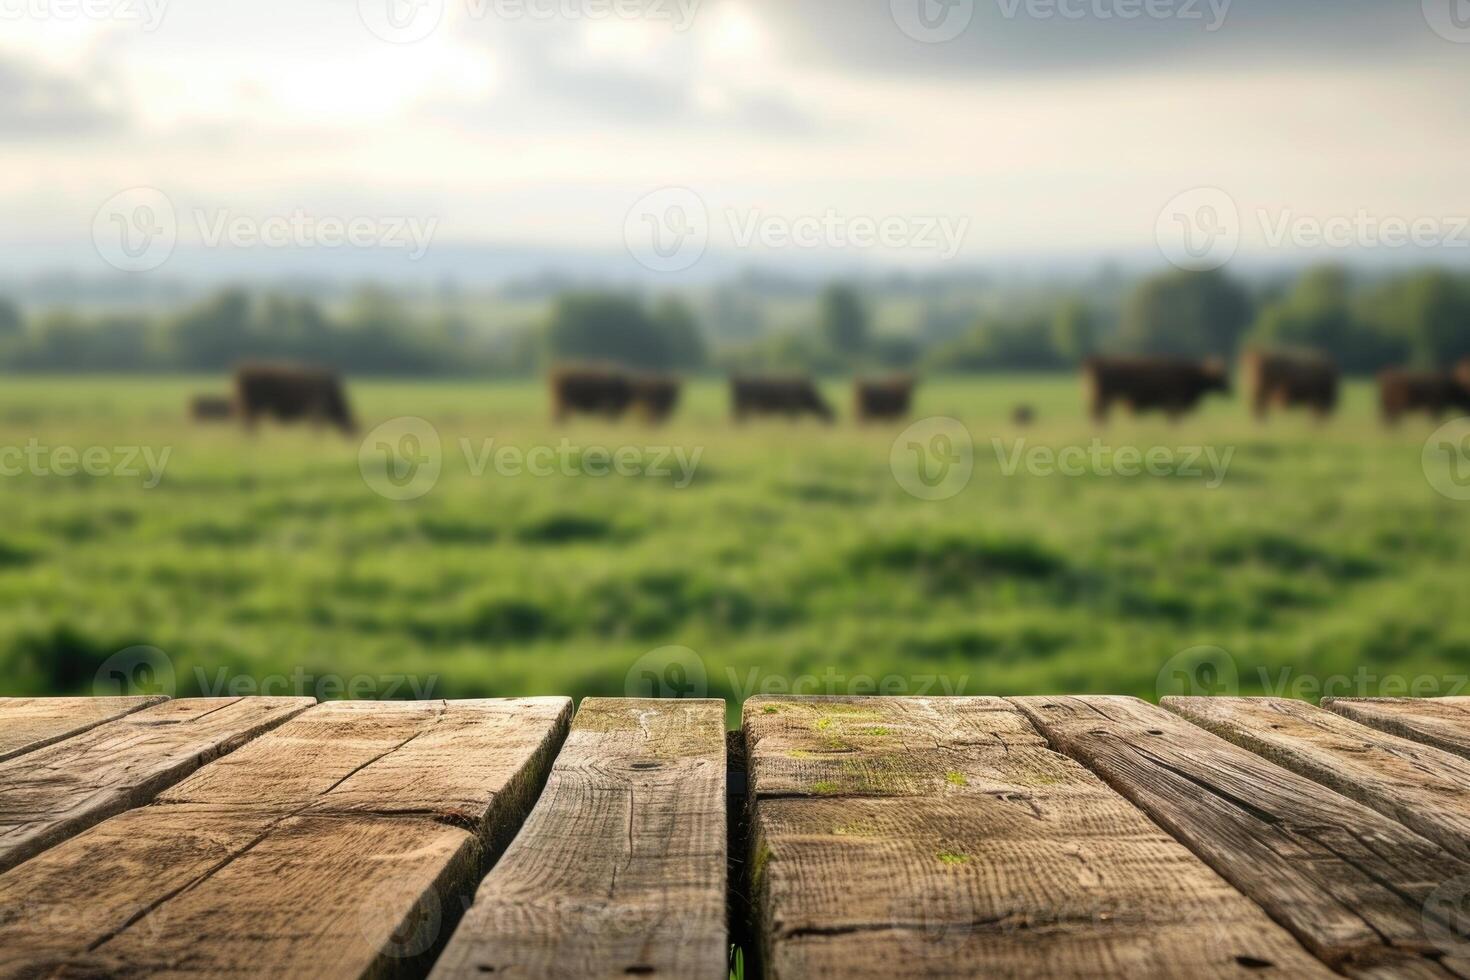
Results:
x,y
291,393
1023,415
655,397
611,393
1291,380
602,391
1433,392
211,408
1151,384
883,399
791,397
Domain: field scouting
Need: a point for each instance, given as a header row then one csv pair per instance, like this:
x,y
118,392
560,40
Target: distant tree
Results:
x,y
379,335
213,334
1074,331
686,349
1319,313
12,322
294,328
895,353
843,322
1001,344
1189,314
595,326
1429,312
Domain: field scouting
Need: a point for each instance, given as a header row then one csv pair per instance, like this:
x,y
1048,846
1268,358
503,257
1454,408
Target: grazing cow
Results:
x,y
291,393
590,391
1151,383
656,397
792,397
1023,415
1290,380
211,408
883,399
1433,392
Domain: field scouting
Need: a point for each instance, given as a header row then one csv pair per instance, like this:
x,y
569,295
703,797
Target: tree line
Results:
x,y
1418,318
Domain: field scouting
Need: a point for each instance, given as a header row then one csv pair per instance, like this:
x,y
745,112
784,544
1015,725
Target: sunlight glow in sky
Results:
x,y
1047,135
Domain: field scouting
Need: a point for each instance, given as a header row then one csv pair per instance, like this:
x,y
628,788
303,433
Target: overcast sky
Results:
x,y
1041,126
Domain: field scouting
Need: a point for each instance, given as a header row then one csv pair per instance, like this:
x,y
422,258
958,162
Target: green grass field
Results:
x,y
794,560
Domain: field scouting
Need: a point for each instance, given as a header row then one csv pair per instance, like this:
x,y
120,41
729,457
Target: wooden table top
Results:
x,y
830,837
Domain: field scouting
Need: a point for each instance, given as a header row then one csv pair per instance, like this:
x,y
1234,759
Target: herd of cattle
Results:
x,y
1175,387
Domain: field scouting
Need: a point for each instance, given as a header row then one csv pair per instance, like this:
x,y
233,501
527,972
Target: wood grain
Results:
x,y
915,837
27,724
1351,884
620,869
1441,722
1421,787
51,793
346,843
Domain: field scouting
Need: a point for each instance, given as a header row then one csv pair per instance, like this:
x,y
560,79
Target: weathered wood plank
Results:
x,y
1441,722
1351,884
53,792
27,724
346,843
620,869
1421,787
941,837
